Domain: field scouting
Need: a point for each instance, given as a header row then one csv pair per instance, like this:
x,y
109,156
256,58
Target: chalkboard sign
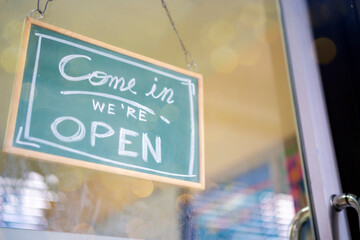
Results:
x,y
82,102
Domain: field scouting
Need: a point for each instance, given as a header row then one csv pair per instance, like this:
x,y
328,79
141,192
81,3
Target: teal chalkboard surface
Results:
x,y
82,102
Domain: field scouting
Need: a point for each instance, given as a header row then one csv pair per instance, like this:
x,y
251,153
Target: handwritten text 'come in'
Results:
x,y
131,109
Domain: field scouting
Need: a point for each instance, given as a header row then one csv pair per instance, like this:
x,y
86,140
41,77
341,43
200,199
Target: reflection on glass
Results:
x,y
24,202
246,208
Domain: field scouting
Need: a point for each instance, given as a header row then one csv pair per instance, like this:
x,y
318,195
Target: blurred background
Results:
x,y
254,181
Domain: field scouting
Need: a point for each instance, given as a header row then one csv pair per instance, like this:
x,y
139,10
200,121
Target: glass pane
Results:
x,y
254,181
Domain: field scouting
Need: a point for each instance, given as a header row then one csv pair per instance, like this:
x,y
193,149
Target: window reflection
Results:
x,y
247,208
256,204
24,202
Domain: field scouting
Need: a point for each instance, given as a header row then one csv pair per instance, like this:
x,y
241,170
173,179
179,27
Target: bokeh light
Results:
x,y
221,32
142,188
224,59
12,31
115,190
325,49
252,14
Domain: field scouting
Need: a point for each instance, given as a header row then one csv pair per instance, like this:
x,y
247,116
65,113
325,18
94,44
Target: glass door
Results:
x,y
327,129
254,175
333,74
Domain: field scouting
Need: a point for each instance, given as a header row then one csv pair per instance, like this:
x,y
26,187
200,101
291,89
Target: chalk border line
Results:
x,y
184,81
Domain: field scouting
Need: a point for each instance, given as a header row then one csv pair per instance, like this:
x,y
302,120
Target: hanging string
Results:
x,y
37,9
188,57
192,66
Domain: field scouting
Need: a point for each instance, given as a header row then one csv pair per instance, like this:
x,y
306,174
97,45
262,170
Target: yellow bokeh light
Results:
x,y
105,199
224,59
252,14
12,32
8,59
142,188
114,188
114,183
221,32
325,49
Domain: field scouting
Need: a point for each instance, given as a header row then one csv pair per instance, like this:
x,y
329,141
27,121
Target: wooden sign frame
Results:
x,y
11,126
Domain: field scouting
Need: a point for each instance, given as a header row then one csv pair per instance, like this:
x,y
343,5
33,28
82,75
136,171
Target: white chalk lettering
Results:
x,y
65,60
146,144
123,141
111,108
101,130
78,136
96,105
130,112
97,78
94,134
121,80
142,114
163,94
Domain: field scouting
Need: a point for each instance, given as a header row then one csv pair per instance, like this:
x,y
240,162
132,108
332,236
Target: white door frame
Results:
x,y
314,135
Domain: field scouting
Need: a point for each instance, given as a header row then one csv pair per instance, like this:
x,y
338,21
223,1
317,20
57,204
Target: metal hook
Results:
x,y
298,222
342,201
192,66
37,9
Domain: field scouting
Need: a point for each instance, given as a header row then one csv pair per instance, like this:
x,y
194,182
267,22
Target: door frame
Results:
x,y
313,130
